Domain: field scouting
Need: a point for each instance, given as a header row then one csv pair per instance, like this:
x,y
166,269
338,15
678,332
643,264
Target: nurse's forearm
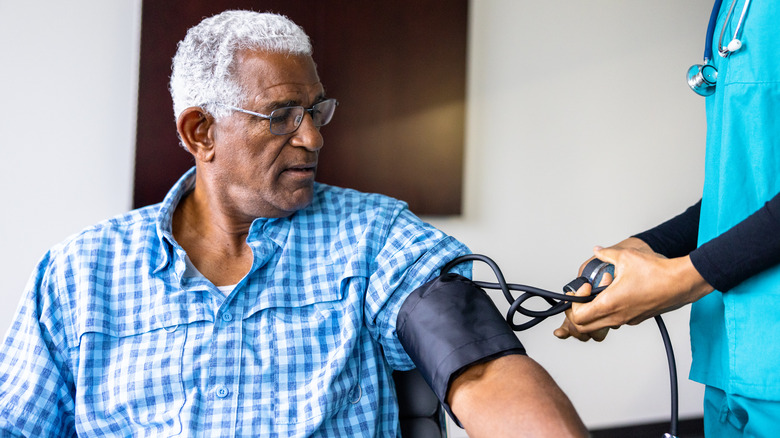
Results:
x,y
748,248
676,237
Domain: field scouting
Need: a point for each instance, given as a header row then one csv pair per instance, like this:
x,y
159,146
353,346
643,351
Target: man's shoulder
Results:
x,y
131,226
341,200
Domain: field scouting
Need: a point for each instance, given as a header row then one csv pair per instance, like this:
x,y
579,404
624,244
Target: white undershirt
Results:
x,y
192,271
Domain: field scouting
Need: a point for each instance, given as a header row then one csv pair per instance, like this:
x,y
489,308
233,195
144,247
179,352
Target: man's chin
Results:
x,y
297,200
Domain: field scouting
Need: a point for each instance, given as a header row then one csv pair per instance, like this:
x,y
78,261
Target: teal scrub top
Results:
x,y
735,336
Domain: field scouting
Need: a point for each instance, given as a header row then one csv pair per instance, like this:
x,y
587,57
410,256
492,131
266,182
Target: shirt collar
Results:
x,y
164,222
275,229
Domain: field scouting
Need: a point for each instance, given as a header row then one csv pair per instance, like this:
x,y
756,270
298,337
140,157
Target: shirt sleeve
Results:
x,y
748,248
412,253
676,237
35,384
743,251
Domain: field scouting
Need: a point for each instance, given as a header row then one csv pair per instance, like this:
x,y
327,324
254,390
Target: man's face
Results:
x,y
257,173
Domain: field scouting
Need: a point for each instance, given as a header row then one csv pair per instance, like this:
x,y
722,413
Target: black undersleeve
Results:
x,y
743,251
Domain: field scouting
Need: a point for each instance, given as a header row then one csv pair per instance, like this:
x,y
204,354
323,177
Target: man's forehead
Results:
x,y
275,76
292,93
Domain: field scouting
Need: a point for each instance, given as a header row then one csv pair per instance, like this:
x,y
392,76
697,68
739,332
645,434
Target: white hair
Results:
x,y
204,64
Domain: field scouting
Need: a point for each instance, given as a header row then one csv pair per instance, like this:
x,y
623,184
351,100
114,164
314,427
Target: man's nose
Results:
x,y
307,135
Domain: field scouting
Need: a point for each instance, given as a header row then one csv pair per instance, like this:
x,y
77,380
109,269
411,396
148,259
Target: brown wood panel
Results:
x,y
398,69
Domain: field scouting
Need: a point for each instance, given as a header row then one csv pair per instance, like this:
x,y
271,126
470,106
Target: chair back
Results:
x,y
420,412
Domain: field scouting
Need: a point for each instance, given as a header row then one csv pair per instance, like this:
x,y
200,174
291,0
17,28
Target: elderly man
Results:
x,y
253,301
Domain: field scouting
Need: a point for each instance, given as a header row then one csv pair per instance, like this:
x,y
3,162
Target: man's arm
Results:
x,y
35,394
512,396
477,367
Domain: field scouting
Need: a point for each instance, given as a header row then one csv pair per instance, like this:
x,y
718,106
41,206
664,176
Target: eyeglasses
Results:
x,y
288,119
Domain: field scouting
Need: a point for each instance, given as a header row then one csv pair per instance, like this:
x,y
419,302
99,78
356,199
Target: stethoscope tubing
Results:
x,y
723,52
711,31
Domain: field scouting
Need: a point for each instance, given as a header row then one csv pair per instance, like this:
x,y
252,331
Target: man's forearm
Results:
x,y
512,396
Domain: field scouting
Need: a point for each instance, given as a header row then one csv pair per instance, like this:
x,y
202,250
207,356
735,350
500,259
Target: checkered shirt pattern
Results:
x,y
113,339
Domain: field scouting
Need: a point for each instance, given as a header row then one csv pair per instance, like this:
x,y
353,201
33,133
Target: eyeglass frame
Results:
x,y
270,116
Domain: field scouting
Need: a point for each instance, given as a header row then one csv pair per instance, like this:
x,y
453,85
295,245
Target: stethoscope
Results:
x,y
702,77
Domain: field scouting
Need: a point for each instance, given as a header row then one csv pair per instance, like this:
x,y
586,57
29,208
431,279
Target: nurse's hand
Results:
x,y
646,284
568,329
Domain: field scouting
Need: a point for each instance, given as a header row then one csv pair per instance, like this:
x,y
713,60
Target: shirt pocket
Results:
x,y
132,382
317,359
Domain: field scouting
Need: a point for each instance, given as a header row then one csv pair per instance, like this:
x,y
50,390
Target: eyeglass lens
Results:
x,y
288,119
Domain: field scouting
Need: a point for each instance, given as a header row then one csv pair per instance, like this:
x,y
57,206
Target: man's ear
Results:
x,y
195,130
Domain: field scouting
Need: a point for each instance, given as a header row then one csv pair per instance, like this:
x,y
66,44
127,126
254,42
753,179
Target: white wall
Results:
x,y
68,90
580,131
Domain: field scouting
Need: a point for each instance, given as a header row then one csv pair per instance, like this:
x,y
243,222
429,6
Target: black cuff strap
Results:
x,y
449,324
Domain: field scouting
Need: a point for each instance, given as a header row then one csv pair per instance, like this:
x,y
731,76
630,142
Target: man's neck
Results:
x,y
214,241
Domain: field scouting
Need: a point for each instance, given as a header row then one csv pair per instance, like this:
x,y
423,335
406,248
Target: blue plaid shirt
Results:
x,y
113,338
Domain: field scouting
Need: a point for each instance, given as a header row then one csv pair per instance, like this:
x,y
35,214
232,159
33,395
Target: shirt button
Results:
x,y
222,392
355,394
227,316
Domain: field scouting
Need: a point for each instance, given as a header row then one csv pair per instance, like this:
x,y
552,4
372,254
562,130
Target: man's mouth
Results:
x,y
303,169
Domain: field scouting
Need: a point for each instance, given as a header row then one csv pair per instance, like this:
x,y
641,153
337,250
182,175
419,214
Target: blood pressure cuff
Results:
x,y
448,324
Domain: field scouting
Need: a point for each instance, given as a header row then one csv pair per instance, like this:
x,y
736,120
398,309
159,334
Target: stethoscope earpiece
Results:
x,y
702,78
734,45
